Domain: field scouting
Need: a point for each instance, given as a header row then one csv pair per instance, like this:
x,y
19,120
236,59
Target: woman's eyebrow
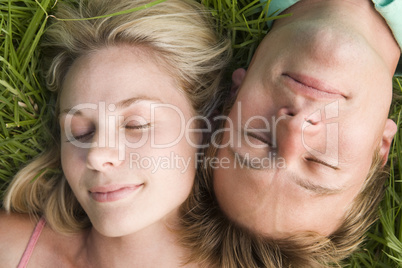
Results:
x,y
75,112
127,102
119,105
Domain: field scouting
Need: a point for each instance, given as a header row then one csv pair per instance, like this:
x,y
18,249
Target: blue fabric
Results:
x,y
278,6
391,10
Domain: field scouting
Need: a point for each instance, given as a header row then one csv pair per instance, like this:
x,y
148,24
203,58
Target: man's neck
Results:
x,y
359,16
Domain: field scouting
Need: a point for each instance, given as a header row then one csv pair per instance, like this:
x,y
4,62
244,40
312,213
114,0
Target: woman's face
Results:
x,y
125,151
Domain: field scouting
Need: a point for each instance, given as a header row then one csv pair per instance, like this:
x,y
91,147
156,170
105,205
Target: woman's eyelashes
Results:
x,y
137,126
84,137
81,136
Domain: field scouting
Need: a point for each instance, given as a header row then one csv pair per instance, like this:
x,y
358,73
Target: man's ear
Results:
x,y
387,136
237,78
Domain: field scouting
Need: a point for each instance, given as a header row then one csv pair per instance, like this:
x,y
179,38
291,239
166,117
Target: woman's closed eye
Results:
x,y
136,132
85,137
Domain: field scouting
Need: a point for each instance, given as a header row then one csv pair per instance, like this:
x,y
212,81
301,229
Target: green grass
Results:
x,y
24,100
245,22
25,108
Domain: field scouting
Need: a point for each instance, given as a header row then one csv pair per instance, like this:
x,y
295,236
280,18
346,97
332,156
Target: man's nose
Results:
x,y
297,131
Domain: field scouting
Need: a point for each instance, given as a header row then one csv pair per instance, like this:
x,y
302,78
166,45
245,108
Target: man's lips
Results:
x,y
311,87
112,193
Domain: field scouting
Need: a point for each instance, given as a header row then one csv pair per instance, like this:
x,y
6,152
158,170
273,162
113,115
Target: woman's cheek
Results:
x,y
73,159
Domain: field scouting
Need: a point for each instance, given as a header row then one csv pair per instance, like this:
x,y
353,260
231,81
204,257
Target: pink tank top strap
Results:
x,y
32,242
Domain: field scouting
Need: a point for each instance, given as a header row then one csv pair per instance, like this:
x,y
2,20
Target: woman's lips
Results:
x,y
112,193
311,86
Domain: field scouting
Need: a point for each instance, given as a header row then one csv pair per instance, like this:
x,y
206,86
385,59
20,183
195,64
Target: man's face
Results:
x,y
310,113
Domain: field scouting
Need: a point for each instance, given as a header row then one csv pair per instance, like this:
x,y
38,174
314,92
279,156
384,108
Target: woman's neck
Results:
x,y
153,246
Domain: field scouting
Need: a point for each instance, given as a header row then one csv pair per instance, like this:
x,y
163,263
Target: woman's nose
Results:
x,y
102,158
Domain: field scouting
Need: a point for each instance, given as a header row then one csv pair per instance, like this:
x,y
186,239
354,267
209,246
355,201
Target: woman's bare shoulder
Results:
x,y
15,231
52,248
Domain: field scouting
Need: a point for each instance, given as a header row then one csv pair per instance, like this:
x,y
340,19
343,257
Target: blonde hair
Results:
x,y
217,240
178,32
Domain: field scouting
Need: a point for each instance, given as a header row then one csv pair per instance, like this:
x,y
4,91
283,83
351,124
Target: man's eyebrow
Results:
x,y
315,188
304,183
120,105
242,159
